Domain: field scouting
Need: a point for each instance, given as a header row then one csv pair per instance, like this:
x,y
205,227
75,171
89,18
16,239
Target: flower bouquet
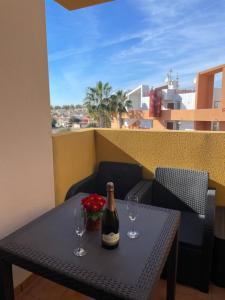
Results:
x,y
93,204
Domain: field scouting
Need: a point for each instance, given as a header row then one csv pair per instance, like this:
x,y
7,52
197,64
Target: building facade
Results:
x,y
200,108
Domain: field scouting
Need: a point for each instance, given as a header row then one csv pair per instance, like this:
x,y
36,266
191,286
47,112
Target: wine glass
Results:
x,y
80,215
132,209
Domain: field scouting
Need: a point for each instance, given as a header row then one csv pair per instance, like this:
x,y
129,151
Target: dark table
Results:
x,y
45,247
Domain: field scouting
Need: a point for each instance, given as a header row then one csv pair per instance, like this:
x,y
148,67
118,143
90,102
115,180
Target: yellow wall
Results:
x,y
195,150
76,154
74,159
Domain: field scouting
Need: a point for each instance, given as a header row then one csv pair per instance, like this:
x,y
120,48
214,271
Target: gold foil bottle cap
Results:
x,y
110,187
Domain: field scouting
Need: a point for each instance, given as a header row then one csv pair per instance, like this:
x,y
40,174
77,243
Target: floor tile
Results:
x,y
218,293
72,295
160,291
42,289
191,293
45,290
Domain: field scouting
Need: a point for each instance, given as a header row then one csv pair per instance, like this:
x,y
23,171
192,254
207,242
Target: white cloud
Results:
x,y
186,35
183,35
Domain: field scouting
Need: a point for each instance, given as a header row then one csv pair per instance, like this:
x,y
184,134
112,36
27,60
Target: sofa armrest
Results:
x,y
143,189
87,185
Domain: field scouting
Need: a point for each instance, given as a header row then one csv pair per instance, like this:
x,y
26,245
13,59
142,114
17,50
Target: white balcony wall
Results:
x,y
135,97
187,101
145,102
26,164
185,125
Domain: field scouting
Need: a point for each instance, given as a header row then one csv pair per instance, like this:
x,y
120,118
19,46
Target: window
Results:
x,y
170,105
178,105
215,126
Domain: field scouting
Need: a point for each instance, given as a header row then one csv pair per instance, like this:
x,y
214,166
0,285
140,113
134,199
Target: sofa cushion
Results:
x,y
124,176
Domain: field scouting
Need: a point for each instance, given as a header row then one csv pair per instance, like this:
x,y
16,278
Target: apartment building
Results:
x,y
174,99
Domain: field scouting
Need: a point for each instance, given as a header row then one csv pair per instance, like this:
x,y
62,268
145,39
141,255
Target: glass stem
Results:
x,y
80,242
133,230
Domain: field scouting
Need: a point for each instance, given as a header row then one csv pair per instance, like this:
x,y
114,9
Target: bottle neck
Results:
x,y
111,205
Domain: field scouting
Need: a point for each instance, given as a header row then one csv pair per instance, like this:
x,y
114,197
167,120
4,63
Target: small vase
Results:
x,y
93,225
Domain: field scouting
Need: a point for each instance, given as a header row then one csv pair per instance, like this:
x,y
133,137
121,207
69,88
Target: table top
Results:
x,y
128,272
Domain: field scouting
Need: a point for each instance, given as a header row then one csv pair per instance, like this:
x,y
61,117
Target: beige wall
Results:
x,y
26,165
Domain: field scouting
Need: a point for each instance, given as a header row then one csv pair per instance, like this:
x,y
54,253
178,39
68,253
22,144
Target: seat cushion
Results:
x,y
191,229
124,176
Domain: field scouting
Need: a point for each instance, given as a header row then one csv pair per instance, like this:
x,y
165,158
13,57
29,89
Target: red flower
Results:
x,y
93,203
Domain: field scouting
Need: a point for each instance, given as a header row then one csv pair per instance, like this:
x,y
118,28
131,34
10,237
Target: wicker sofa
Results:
x,y
127,179
188,192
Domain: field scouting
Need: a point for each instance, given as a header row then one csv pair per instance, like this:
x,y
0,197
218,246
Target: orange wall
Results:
x,y
222,126
223,89
199,125
213,114
204,91
205,86
159,124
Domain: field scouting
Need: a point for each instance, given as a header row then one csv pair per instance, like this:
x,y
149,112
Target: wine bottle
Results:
x,y
110,221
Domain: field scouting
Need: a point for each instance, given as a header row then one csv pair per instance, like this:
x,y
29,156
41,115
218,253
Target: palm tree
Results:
x,y
97,102
119,105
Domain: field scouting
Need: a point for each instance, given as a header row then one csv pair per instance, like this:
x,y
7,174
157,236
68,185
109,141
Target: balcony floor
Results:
x,y
42,289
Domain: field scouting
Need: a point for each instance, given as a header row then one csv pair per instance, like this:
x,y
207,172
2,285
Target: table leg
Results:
x,y
172,270
6,281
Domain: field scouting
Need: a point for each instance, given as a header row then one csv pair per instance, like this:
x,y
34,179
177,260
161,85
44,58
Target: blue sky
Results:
x,y
131,42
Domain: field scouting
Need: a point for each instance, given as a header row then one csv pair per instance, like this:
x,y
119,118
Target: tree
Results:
x,y
97,102
119,105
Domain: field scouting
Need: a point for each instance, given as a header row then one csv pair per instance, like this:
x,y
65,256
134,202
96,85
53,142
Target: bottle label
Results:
x,y
111,239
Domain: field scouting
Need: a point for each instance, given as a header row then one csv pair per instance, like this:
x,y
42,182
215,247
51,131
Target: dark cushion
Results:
x,y
181,189
124,176
192,229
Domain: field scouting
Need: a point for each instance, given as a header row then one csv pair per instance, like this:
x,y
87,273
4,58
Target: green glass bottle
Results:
x,y
110,221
